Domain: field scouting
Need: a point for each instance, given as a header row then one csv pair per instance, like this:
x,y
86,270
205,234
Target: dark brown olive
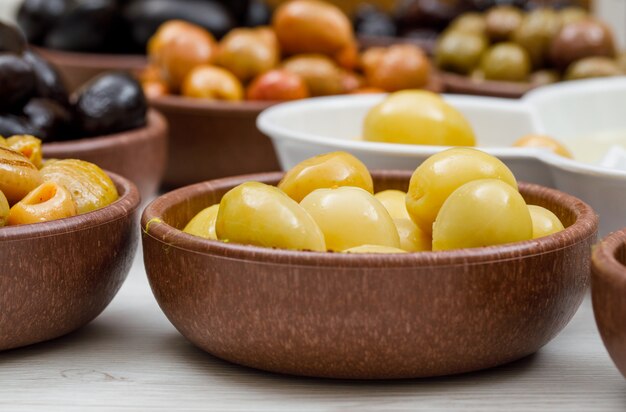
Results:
x,y
502,21
11,125
36,17
11,39
110,103
237,8
591,67
582,39
50,120
48,81
17,82
87,26
146,16
428,13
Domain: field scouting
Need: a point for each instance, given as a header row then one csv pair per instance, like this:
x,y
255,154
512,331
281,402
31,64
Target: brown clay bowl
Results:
x,y
609,295
213,139
58,276
139,154
427,44
366,316
458,84
78,68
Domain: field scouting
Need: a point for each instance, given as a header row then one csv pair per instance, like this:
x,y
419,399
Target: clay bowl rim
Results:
x,y
125,205
152,224
155,121
459,84
604,260
93,60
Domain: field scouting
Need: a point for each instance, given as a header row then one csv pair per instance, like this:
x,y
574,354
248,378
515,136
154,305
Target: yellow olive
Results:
x,y
350,217
412,238
49,201
395,203
254,213
441,174
89,186
325,172
545,222
4,209
417,117
544,142
18,176
482,213
27,145
374,249
246,53
212,83
203,224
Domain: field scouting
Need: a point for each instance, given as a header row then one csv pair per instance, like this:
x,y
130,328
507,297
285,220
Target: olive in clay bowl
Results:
x,y
366,316
608,290
58,276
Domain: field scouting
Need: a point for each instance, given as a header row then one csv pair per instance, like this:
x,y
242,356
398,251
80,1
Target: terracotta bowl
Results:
x,y
77,68
458,84
366,316
609,295
139,154
58,276
210,140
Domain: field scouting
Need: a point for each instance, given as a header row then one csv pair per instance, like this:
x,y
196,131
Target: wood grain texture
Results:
x,y
366,317
57,276
139,154
609,295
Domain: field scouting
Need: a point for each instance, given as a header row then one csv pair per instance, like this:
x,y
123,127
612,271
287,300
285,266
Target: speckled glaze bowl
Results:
x,y
138,154
57,276
609,295
366,316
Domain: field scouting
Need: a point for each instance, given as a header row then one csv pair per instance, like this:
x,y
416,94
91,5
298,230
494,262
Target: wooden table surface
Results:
x,y
132,359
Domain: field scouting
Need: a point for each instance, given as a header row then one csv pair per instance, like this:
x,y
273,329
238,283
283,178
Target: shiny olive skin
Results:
x,y
17,82
507,62
535,34
395,203
48,81
49,201
18,175
501,22
37,17
110,103
11,39
412,238
591,67
51,121
459,52
576,41
203,224
545,223
441,174
330,170
27,145
11,124
482,213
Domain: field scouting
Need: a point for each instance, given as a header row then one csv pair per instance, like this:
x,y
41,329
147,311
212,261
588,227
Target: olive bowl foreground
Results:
x,y
609,295
366,316
58,276
139,154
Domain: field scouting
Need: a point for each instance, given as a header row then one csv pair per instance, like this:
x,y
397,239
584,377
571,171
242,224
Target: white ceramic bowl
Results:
x,y
306,128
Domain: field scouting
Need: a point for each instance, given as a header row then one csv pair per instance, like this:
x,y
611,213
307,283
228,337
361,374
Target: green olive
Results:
x,y
507,62
469,23
535,34
459,52
591,67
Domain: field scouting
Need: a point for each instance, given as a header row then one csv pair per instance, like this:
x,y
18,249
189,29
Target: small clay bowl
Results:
x,y
366,316
139,154
57,276
609,295
215,139
458,84
78,68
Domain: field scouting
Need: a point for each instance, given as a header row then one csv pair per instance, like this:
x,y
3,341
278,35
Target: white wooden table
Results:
x,y
132,359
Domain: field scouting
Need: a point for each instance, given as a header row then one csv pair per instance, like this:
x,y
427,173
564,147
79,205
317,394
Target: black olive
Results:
x,y
146,16
11,39
259,14
48,81
110,103
437,14
85,26
50,120
36,17
11,125
238,8
17,82
369,20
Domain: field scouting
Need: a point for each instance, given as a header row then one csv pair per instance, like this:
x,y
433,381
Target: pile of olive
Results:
x,y
540,46
458,198
33,191
310,50
35,101
120,26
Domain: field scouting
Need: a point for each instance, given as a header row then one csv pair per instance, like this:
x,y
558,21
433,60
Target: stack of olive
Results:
x,y
541,46
36,102
120,26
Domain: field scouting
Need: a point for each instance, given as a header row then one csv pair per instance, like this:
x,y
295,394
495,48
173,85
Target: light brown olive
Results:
x,y
399,67
321,75
277,85
535,34
18,175
247,53
501,22
506,61
459,52
591,67
544,142
578,40
212,83
48,201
